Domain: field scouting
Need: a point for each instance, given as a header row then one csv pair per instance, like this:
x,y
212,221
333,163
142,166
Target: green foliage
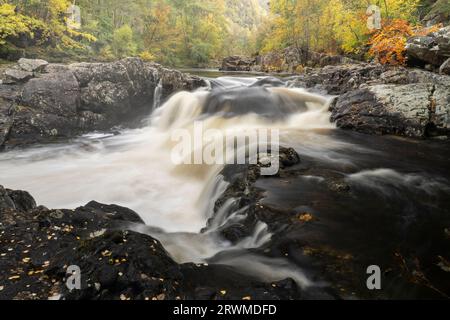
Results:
x,y
13,25
196,32
328,25
40,24
122,44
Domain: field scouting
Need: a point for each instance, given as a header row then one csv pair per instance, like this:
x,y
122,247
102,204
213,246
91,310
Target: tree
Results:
x,y
122,44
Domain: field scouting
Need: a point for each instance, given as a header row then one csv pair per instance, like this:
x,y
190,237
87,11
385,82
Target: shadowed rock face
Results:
x,y
39,244
45,102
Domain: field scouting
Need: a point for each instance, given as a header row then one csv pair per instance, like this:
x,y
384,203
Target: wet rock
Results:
x,y
242,179
385,109
63,101
23,201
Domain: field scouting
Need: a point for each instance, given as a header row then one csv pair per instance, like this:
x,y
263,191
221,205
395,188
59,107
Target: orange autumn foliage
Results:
x,y
388,45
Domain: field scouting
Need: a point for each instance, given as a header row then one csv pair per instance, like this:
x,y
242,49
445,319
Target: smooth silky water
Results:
x,y
134,169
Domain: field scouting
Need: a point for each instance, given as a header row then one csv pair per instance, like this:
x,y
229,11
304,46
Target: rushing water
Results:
x,y
135,169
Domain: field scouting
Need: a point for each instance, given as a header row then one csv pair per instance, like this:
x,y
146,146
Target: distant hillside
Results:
x,y
245,18
246,13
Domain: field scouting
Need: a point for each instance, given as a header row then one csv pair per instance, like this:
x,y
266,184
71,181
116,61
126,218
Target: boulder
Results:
x,y
294,59
116,264
378,99
433,49
237,63
385,109
5,201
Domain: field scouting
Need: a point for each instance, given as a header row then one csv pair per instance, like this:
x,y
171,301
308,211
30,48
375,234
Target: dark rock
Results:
x,y
6,121
52,93
336,80
241,179
293,60
385,109
67,100
433,48
23,201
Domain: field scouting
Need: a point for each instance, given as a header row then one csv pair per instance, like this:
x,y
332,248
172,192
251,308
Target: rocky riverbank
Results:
x,y
37,245
42,102
372,98
378,99
333,223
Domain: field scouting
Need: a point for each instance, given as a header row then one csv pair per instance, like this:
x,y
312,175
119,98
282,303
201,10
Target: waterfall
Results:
x,y
134,169
157,95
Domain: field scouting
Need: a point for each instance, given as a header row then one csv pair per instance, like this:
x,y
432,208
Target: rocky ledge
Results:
x,y
376,99
42,102
37,245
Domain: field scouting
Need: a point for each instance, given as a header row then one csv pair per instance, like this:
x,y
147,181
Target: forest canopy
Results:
x,y
201,32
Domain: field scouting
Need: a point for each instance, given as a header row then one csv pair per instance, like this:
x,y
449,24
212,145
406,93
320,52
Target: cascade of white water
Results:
x,y
134,169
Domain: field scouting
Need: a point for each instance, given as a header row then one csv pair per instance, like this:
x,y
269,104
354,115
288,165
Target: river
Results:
x,y
400,187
